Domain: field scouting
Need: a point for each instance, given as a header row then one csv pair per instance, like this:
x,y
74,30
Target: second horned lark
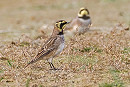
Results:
x,y
53,46
80,24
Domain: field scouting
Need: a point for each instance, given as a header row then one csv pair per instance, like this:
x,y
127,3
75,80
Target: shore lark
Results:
x,y
53,46
80,24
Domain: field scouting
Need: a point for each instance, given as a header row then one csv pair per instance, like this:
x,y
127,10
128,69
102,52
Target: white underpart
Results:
x,y
61,47
85,24
85,21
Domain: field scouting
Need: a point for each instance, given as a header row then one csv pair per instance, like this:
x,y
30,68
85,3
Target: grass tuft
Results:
x,y
9,63
24,43
1,78
105,85
40,86
1,71
87,49
27,82
117,79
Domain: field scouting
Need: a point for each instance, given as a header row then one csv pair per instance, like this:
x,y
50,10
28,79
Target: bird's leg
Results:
x,y
50,65
53,67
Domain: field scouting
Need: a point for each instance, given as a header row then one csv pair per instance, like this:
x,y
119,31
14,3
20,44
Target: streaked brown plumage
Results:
x,y
53,46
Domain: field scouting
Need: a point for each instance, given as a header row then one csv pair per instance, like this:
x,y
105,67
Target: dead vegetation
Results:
x,y
93,59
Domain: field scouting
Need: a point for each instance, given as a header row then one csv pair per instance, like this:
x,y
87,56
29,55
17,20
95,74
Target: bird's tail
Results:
x,y
27,65
33,61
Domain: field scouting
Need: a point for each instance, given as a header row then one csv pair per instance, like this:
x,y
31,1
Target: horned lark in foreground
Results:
x,y
53,46
80,24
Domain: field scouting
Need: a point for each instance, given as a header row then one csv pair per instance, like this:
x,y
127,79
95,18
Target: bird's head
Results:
x,y
60,26
83,12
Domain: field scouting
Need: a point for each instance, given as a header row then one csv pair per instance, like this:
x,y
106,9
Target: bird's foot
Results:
x,y
54,69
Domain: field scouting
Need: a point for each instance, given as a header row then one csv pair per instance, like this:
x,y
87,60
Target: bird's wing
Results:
x,y
48,49
71,24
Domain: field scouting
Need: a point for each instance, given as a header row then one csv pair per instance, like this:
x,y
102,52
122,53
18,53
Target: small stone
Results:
x,y
127,28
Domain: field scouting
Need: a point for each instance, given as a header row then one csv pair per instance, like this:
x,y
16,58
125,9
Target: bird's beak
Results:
x,y
68,22
66,25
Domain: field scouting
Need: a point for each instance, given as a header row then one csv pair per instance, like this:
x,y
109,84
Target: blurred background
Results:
x,y
19,17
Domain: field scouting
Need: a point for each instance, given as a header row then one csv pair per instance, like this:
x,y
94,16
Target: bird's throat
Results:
x,y
84,17
60,33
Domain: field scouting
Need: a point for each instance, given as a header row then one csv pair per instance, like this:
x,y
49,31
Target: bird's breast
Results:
x,y
61,46
85,22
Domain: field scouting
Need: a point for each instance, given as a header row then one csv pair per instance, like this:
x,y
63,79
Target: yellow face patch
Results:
x,y
58,26
61,25
83,11
60,29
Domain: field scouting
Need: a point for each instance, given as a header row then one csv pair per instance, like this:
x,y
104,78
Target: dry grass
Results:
x,y
99,58
92,59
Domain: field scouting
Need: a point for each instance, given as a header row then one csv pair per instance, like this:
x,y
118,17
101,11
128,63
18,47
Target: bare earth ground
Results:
x,y
101,57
